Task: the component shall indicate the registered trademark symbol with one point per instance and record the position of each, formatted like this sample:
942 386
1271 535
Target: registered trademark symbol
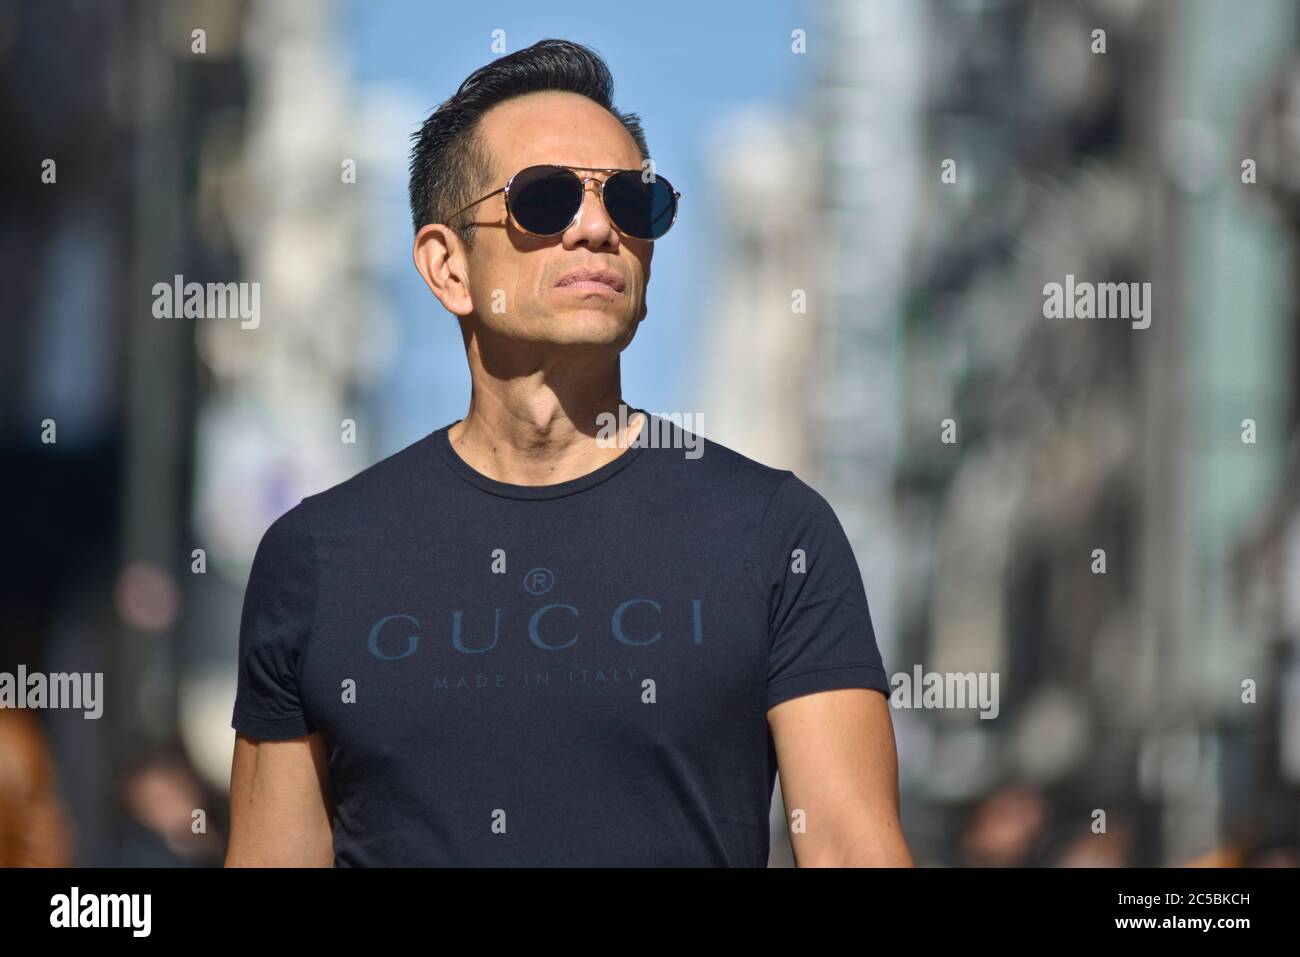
539 581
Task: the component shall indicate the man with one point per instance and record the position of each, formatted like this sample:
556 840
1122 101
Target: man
543 635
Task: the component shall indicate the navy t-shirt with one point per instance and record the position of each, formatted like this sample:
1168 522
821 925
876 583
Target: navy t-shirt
574 674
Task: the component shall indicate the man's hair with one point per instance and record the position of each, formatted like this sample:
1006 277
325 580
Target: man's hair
450 167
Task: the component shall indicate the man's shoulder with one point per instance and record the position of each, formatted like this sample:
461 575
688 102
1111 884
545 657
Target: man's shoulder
705 463
377 485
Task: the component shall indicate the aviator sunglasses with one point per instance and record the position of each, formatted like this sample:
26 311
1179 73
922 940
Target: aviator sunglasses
546 200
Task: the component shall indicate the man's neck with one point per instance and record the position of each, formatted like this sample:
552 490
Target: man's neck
525 431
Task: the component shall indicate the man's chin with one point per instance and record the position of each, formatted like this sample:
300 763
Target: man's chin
590 330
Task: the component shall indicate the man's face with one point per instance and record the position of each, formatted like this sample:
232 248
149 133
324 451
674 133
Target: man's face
513 276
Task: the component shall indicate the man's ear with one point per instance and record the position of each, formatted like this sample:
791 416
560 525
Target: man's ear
439 256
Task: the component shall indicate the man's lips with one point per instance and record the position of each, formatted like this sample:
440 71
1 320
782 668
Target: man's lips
591 280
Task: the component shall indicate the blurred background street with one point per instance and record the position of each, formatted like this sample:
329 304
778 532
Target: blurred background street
920 170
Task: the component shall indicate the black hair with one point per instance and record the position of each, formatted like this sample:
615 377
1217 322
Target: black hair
450 167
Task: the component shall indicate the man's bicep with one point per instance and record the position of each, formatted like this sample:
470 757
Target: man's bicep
279 803
839 768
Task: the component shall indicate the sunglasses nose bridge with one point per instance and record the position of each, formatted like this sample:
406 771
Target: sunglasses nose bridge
600 198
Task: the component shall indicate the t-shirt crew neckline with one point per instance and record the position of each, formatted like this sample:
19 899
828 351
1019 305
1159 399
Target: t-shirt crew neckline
468 473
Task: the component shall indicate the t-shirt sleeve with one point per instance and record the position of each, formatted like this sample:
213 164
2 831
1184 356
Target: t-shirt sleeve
279 606
820 632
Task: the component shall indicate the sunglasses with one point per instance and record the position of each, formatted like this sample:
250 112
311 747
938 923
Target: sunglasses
546 200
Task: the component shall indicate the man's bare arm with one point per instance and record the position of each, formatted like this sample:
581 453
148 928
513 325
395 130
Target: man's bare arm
838 764
279 804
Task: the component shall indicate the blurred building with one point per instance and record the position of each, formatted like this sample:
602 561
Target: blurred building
758 339
1121 690
215 142
111 121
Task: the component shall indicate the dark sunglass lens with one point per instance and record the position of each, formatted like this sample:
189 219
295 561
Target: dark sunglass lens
544 199
643 210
